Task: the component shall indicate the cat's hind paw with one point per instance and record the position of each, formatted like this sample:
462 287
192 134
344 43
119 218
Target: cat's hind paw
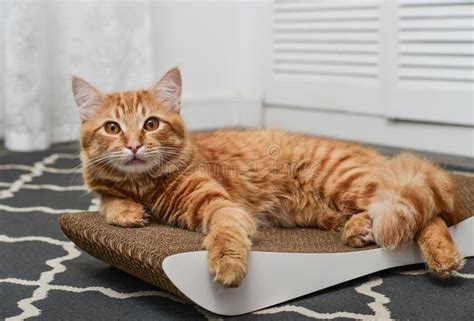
438 248
443 262
358 231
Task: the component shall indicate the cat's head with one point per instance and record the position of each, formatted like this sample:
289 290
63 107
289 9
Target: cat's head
133 131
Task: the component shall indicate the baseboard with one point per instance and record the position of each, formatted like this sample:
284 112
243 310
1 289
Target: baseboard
446 139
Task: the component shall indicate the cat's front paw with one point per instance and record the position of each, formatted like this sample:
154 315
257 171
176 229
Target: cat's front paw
228 271
227 259
127 214
358 231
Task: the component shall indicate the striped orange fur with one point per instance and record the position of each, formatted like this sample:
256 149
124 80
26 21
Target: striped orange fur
142 162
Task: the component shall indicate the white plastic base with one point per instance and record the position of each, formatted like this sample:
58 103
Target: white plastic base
273 277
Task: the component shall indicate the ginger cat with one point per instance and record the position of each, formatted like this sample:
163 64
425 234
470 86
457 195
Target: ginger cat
139 158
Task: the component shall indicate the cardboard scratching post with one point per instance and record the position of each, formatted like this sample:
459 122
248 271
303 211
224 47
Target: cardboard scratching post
284 263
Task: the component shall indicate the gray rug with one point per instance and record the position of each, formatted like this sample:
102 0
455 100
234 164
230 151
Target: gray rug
43 276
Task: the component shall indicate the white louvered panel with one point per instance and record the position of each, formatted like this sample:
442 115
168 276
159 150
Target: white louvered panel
326 37
449 9
330 83
320 11
417 85
407 3
333 69
325 58
408 61
436 49
437 73
437 24
334 48
435 65
327 26
455 36
323 48
311 5
326 15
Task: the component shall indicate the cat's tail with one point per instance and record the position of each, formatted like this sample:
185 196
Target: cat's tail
411 193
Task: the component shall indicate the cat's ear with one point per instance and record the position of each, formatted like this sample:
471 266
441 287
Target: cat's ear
88 99
168 90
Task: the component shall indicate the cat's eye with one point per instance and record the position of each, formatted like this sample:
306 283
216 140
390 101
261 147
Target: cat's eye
151 124
112 128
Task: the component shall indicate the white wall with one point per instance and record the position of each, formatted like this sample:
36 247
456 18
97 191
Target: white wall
219 47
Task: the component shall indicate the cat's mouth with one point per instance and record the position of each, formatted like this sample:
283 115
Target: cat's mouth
135 161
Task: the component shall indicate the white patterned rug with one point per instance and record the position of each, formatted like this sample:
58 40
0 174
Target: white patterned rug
43 276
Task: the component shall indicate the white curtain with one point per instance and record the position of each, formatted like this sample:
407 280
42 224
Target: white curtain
42 43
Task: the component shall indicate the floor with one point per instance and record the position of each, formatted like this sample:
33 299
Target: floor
43 276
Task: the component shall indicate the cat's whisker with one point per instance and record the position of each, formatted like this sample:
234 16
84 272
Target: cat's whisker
100 162
106 156
72 170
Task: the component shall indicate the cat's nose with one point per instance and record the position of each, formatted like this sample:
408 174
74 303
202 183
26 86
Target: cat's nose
134 147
